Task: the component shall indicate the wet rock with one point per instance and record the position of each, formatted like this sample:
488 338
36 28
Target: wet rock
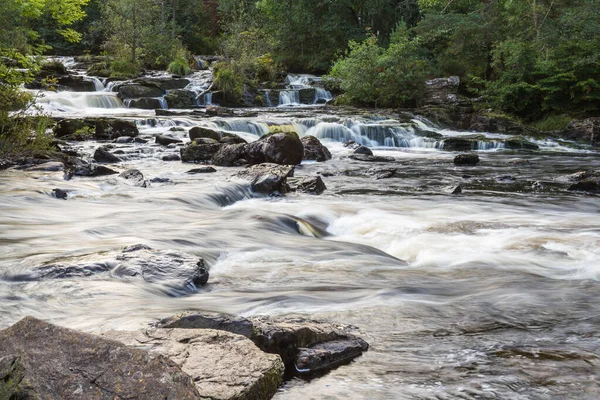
171 157
466 159
232 139
134 177
307 95
201 170
586 185
136 91
575 177
584 131
164 140
124 139
60 194
457 190
63 271
459 143
309 184
368 158
217 111
75 83
50 166
268 178
230 155
505 178
145 103
101 128
520 143
39 360
202 132
314 149
496 123
203 152
363 150
5 164
160 180
351 144
328 355
103 155
177 271
164 83
222 365
192 320
115 128
54 68
283 148
100 170
518 161
441 91
181 99
382 173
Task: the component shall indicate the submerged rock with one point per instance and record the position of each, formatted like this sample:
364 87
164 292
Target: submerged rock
39 360
171 157
520 143
466 159
363 150
201 170
60 193
222 365
368 158
164 140
328 355
314 149
586 185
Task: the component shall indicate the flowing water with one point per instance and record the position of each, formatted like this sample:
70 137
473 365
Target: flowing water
490 294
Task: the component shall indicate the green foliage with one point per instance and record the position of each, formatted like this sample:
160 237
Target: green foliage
180 65
552 123
227 79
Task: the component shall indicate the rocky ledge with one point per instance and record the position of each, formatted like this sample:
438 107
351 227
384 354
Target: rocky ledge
188 356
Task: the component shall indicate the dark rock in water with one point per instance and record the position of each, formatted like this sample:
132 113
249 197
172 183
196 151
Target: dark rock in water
459 144
178 271
166 140
584 131
115 128
283 148
202 132
363 150
368 158
457 190
221 322
518 161
587 185
328 355
164 83
195 152
314 149
136 91
309 184
100 170
232 139
79 167
171 157
5 164
201 170
466 159
576 177
75 83
382 173
268 178
351 144
223 365
60 194
160 180
140 140
307 95
506 178
145 103
181 99
520 143
230 155
217 111
39 360
103 155
63 271
135 177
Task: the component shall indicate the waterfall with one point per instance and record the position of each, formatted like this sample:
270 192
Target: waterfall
69 101
163 103
108 87
207 98
322 96
338 133
268 98
98 85
289 98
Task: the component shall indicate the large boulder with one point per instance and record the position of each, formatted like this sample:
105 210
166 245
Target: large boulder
164 83
222 365
145 103
75 83
307 95
181 99
460 143
520 143
39 360
104 156
200 151
268 178
441 91
314 149
307 184
230 155
203 132
584 131
134 177
165 140
466 159
283 148
136 91
101 128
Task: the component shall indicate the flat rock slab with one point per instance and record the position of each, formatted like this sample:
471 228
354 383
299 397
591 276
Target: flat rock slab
328 355
39 360
223 365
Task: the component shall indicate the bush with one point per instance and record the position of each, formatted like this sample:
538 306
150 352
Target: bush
228 80
179 66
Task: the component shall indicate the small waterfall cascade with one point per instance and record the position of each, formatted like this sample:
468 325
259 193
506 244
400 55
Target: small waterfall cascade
98 85
302 89
268 101
77 101
289 98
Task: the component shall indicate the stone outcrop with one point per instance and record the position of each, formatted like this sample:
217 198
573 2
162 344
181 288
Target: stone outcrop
307 184
268 178
314 149
283 148
181 99
200 150
101 128
584 131
466 159
39 360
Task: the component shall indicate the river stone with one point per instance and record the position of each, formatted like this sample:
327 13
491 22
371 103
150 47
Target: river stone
174 270
75 83
134 177
586 185
195 152
230 155
368 158
136 91
50 166
466 159
314 149
223 365
458 144
164 140
201 170
39 360
307 95
363 150
146 103
328 355
308 184
100 170
221 322
103 155
165 83
268 178
171 157
60 193
520 143
230 138
202 132
181 99
283 148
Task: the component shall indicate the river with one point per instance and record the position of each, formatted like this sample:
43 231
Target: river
489 294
